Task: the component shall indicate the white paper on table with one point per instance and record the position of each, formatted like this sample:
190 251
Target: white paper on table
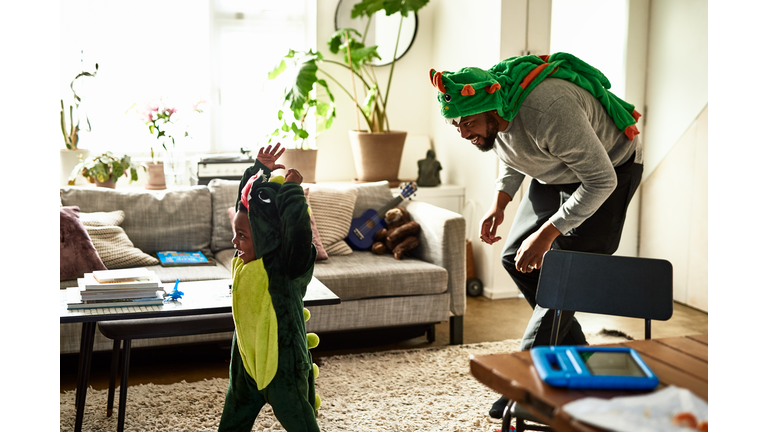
652 412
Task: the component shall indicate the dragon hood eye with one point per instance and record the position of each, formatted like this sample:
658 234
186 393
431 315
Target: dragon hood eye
263 197
447 98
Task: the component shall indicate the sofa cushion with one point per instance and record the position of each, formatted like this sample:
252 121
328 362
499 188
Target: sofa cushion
373 195
115 248
77 255
332 208
316 239
223 198
364 275
176 219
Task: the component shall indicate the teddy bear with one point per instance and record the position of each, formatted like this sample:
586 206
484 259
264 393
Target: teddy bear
400 235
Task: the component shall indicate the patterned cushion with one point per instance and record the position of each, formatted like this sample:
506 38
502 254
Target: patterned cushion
223 198
77 254
332 209
112 243
316 239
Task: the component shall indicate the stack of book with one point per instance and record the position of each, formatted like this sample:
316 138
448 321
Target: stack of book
116 288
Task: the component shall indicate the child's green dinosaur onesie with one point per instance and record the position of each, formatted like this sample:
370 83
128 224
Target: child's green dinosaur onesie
270 355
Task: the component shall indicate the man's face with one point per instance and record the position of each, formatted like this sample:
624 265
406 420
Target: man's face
242 239
480 129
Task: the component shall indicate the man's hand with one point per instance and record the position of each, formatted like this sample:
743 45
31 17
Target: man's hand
493 218
294 176
531 253
269 155
491 221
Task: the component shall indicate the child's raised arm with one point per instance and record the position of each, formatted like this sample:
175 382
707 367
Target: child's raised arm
269 156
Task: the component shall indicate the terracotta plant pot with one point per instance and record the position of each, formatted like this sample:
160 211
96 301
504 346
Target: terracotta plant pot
107 184
377 155
156 176
303 160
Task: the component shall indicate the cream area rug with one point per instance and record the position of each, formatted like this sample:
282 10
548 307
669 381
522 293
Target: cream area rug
428 389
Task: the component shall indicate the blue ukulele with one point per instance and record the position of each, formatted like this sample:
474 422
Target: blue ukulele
366 226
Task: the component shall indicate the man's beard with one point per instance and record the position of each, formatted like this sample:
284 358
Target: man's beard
491 130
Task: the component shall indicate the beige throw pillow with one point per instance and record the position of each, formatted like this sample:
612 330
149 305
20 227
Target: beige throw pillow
332 209
112 243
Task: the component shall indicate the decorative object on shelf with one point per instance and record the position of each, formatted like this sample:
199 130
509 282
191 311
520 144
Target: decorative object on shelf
71 154
168 125
155 175
429 170
105 170
301 84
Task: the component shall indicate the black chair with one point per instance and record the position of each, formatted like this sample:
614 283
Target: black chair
148 328
601 284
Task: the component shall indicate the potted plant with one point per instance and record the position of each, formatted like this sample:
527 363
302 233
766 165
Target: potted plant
72 154
105 170
163 121
302 84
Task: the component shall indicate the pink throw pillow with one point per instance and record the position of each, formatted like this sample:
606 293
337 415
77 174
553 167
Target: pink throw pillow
77 255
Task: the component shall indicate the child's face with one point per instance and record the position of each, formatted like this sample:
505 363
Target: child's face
242 239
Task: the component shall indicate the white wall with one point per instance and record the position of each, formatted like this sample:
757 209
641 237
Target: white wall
674 219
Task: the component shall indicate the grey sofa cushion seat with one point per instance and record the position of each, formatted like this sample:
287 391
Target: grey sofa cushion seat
223 196
178 219
365 275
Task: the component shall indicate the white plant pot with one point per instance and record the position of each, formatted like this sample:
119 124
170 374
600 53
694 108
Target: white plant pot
70 159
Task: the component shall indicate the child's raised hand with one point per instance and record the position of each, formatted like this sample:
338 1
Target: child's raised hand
294 176
269 155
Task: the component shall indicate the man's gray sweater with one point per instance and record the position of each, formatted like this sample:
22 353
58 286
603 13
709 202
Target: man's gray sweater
562 134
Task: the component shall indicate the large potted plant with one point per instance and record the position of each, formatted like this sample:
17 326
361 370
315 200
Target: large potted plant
105 170
377 150
72 153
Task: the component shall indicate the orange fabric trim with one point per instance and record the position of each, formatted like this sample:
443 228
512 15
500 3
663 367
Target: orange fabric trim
532 74
631 131
493 88
437 81
467 90
636 115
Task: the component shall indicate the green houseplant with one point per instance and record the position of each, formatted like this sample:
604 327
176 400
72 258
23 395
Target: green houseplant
308 95
105 170
70 127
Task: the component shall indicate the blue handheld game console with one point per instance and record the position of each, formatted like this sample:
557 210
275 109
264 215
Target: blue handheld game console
588 367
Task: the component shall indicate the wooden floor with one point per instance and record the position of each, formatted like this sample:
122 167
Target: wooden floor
485 321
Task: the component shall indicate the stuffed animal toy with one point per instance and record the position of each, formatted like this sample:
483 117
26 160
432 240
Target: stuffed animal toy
400 235
504 86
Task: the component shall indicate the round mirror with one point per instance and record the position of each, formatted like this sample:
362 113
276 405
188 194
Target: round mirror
382 30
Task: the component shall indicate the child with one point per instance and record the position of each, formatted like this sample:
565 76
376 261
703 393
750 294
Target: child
273 264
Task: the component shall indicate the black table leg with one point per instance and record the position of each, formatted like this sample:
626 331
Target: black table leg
84 371
507 417
123 385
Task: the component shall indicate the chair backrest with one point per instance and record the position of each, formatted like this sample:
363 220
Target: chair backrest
606 284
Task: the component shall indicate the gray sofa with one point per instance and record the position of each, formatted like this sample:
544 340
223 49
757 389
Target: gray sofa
377 291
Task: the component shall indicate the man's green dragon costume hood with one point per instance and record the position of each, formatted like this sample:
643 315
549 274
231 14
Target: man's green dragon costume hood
505 86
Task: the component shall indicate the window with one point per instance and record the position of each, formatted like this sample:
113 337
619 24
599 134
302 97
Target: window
184 50
596 32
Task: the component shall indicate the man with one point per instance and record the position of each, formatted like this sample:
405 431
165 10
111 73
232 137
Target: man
551 118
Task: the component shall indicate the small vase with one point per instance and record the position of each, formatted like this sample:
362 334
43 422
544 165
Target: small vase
175 168
156 176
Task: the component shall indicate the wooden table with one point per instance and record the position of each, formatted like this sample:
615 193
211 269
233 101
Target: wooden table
678 361
200 298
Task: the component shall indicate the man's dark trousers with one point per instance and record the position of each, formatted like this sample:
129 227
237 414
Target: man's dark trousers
600 233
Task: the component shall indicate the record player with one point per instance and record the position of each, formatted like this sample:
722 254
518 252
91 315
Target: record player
226 166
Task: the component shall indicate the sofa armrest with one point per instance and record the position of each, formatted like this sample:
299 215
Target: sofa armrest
442 242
